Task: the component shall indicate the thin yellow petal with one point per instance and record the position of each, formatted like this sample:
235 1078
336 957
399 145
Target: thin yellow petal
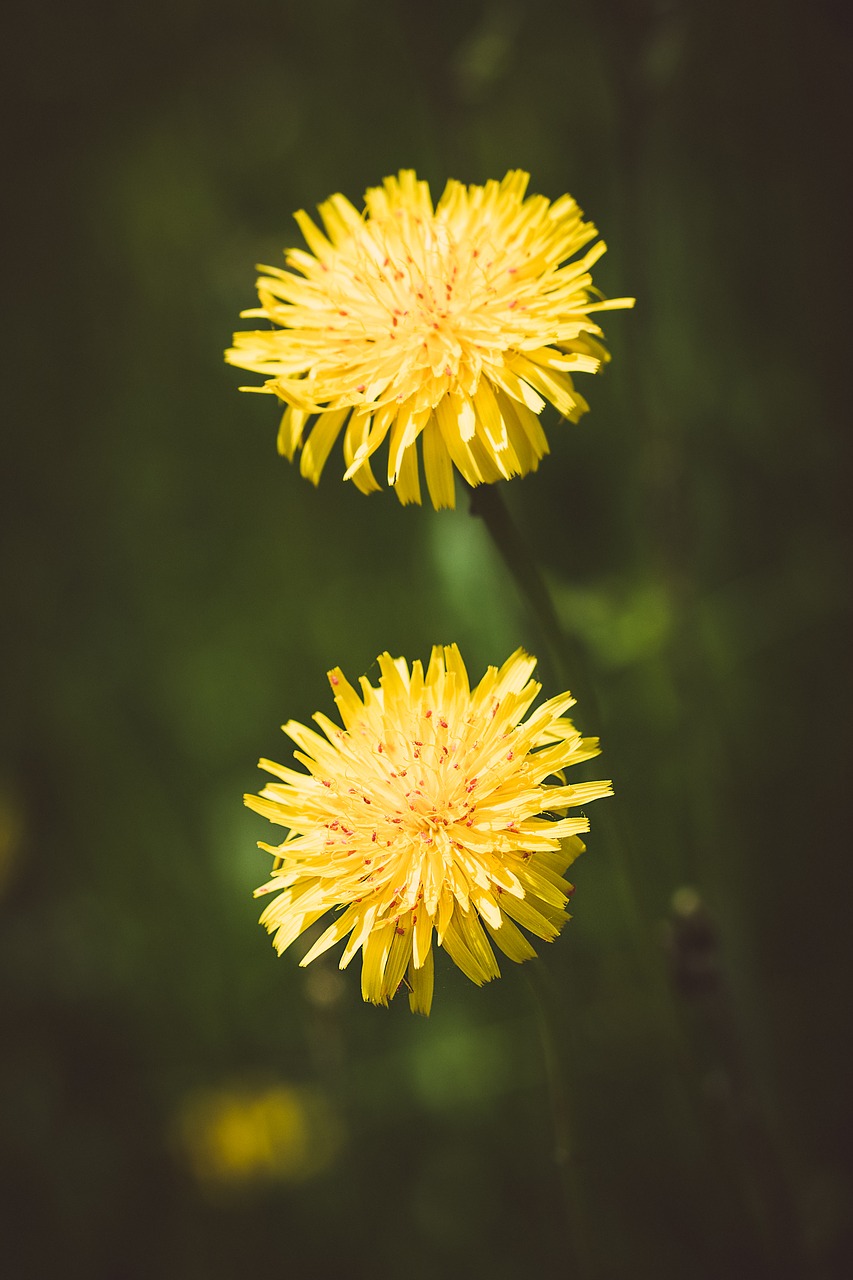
317 447
421 982
290 431
438 467
408 487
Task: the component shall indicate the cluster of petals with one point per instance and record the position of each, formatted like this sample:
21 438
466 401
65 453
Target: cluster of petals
452 325
434 813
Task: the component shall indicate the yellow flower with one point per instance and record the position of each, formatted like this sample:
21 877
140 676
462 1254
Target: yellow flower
454 324
429 811
234 1135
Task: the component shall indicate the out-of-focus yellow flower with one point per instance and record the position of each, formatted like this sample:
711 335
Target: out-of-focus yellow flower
452 324
435 809
11 833
234 1136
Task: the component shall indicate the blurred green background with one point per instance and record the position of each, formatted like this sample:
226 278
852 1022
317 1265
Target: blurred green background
174 1100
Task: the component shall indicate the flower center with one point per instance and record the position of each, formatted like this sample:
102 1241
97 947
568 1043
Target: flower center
425 292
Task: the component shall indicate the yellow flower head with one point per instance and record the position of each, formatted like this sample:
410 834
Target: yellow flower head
429 811
454 324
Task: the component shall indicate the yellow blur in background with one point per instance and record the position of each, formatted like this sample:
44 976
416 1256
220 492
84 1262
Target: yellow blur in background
234 1136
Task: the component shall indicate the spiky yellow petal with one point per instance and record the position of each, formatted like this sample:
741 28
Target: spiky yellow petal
453 325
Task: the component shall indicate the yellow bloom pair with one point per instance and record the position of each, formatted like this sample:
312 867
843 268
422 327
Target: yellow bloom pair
434 812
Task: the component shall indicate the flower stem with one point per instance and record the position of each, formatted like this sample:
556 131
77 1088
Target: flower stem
488 504
552 1032
568 657
569 661
733 1096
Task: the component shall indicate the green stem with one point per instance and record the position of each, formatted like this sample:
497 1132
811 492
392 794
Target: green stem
568 657
552 1032
569 661
488 505
737 1110
767 1192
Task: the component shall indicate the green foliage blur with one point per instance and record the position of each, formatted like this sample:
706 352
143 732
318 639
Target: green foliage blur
175 1101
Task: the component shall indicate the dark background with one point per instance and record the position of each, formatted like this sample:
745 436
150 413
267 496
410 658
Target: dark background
175 1101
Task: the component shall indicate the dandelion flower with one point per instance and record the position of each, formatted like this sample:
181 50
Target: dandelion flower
436 809
452 324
